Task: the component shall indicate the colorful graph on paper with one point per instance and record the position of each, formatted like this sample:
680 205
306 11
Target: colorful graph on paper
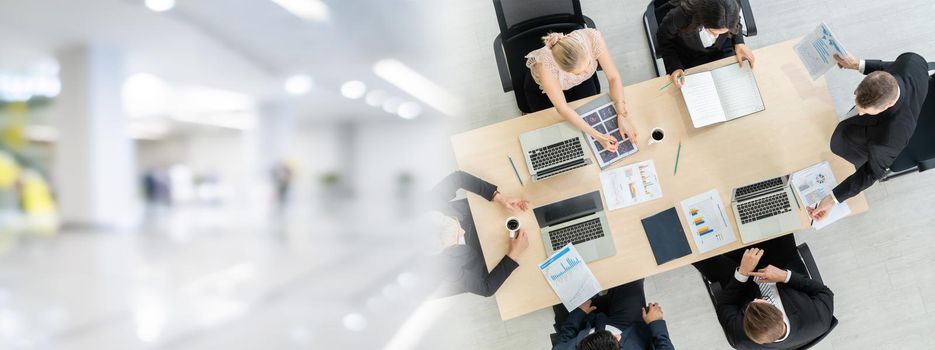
707 221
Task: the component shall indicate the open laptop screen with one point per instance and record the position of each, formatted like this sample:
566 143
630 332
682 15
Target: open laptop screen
568 209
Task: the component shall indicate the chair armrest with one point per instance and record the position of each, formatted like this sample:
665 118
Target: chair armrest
651 26
806 254
749 21
502 67
588 22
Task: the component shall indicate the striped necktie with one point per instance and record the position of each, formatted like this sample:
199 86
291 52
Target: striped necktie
767 293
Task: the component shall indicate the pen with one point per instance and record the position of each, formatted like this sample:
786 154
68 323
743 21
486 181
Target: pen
670 82
811 222
677 155
515 171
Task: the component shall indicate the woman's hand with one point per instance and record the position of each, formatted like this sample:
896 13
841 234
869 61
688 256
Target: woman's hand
678 78
609 142
514 204
744 53
626 126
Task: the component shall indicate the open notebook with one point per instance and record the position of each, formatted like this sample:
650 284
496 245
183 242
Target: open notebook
722 94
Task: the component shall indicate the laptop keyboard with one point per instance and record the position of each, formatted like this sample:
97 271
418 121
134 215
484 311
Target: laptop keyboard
765 207
555 154
759 186
577 233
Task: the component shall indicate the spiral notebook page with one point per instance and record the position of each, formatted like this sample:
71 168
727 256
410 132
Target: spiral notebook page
701 98
738 91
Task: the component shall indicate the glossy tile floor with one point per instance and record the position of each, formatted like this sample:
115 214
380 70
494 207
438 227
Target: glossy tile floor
876 263
206 278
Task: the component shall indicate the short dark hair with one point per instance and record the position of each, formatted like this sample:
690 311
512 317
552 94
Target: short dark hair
762 322
712 14
877 89
600 340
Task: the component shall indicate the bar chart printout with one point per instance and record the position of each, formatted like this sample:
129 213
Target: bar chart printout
817 50
707 221
570 277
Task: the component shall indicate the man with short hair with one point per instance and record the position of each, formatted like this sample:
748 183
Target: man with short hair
888 102
776 309
618 320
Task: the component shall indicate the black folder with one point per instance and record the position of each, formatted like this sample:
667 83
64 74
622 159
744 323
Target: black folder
666 236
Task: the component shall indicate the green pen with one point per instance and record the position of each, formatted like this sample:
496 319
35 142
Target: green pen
677 155
670 82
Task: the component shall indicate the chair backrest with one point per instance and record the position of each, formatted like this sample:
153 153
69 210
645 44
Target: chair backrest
517 15
920 152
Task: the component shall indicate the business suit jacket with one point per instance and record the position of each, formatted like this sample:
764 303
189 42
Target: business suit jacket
872 143
640 336
808 304
681 48
463 267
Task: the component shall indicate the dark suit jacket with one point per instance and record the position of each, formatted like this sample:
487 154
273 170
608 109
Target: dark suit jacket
809 305
578 325
681 48
463 266
872 143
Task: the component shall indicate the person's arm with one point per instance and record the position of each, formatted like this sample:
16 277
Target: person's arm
489 282
574 328
449 186
555 93
818 292
667 39
616 86
653 317
866 175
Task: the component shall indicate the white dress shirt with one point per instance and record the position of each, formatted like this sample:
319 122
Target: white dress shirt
707 40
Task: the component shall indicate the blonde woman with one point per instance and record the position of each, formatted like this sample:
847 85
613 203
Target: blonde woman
559 69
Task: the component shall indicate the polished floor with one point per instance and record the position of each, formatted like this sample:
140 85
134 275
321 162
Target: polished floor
876 263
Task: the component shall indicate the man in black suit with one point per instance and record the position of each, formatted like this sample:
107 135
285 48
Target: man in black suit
776 309
888 102
461 260
618 320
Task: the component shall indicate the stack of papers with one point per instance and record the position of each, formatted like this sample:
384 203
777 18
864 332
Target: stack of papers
570 277
632 184
707 221
813 184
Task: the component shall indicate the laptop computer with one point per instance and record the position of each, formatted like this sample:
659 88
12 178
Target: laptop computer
553 150
765 209
580 221
602 116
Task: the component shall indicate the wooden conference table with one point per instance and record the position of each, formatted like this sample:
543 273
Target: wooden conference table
791 134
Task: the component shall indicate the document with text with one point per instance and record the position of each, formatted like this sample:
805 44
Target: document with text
720 95
817 50
570 277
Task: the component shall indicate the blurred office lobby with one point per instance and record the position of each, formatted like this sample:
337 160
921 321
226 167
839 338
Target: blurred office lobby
207 174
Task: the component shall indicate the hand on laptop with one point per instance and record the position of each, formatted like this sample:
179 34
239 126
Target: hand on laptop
823 207
751 257
652 313
514 204
518 245
770 274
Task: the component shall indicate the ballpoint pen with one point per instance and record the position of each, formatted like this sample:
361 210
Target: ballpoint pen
812 221
515 171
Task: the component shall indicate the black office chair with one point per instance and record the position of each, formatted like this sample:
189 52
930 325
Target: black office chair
812 270
919 154
523 23
657 10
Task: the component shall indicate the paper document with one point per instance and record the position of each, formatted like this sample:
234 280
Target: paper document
813 184
817 49
631 184
570 277
707 221
720 95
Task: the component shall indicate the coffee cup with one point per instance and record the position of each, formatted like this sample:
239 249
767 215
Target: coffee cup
512 225
657 135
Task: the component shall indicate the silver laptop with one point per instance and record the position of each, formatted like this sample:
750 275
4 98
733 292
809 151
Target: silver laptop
553 150
580 221
765 209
